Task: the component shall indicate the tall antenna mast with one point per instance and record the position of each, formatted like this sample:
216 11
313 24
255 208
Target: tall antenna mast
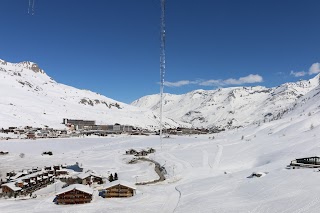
162 62
31 7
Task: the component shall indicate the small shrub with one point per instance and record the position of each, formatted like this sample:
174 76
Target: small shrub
47 153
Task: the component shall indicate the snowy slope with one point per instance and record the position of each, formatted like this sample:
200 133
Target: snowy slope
204 175
232 107
30 97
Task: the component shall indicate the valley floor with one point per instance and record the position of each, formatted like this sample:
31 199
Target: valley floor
204 175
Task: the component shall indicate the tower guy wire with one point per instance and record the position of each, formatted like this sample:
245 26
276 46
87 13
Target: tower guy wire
162 63
31 7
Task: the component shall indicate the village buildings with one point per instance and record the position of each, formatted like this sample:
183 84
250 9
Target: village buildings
26 182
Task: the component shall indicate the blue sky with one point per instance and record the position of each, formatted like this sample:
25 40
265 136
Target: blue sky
112 47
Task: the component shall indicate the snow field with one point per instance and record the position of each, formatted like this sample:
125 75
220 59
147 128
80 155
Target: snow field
204 175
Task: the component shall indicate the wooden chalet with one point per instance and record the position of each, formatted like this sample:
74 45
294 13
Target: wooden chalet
84 178
96 178
119 189
74 194
10 189
89 178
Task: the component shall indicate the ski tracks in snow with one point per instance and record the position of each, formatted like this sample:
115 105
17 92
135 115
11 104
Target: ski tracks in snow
217 159
205 159
172 201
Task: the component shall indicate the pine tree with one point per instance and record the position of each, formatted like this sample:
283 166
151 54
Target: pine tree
115 176
111 178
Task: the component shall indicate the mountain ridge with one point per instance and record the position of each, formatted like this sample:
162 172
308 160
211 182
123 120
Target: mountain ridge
231 107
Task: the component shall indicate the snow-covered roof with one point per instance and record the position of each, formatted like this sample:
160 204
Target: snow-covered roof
60 170
117 182
83 175
96 175
88 174
19 174
12 186
78 187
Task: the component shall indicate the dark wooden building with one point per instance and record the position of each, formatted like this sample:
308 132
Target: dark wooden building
74 194
10 189
309 162
119 189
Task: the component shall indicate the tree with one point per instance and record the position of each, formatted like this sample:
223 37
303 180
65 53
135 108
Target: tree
111 177
242 137
115 176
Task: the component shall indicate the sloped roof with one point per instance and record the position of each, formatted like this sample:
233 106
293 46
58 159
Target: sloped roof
88 174
95 175
19 174
83 175
78 187
119 182
12 185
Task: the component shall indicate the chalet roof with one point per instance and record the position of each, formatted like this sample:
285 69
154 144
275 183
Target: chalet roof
79 187
12 186
19 174
84 175
96 175
119 182
88 174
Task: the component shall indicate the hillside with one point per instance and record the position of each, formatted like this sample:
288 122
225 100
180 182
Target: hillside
30 97
236 106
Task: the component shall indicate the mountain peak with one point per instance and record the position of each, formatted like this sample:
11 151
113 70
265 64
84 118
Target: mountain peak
31 66
24 64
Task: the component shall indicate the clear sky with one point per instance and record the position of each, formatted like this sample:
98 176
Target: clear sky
112 46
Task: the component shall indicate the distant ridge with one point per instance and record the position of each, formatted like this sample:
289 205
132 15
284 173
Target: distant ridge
235 106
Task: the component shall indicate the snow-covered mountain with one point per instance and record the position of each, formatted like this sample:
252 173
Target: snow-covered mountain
236 106
30 97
